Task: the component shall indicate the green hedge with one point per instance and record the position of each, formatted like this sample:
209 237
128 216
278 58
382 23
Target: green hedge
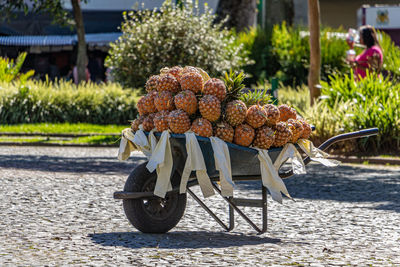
34 101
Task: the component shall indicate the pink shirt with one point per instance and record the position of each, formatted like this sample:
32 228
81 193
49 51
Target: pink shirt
75 74
363 60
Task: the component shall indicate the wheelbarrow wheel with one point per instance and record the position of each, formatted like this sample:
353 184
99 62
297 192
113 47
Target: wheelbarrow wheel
155 215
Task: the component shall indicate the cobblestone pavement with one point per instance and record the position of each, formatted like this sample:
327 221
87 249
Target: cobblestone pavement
57 209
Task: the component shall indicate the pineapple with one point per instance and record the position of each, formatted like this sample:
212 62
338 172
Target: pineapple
244 135
202 127
186 100
151 83
306 129
148 123
135 123
164 101
192 81
215 87
256 116
210 107
188 69
178 121
235 112
168 82
297 129
175 71
286 112
273 114
140 106
161 120
224 131
145 105
149 106
265 137
282 134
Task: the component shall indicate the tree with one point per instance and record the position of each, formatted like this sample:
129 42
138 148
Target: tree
240 14
278 11
81 60
60 16
315 50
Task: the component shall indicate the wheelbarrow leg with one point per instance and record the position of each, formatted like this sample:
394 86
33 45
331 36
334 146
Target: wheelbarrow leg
264 210
204 206
233 205
231 216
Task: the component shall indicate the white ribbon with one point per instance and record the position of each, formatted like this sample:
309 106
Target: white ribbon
161 160
316 154
223 165
270 177
126 145
142 142
195 162
289 151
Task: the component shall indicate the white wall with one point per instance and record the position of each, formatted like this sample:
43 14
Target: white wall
120 5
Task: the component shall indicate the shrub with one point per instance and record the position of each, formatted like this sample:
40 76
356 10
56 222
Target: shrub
376 103
291 51
285 54
65 102
172 36
391 56
10 69
257 43
298 97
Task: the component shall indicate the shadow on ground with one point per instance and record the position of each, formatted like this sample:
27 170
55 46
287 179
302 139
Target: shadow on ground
104 165
175 240
344 184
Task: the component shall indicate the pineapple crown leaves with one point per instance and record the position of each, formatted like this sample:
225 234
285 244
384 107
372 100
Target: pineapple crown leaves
256 96
234 83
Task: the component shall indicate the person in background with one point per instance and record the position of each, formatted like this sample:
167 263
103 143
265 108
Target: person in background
94 68
75 73
371 58
54 72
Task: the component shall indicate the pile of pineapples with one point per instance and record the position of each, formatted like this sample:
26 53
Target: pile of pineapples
182 99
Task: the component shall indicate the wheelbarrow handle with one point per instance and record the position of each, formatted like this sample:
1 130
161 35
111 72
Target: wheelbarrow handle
348 136
341 137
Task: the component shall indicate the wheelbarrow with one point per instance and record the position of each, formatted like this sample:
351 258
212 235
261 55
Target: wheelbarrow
151 214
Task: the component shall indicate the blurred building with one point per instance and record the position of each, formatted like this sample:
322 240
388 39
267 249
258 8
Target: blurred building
52 48
352 14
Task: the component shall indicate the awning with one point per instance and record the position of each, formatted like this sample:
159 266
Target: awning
97 39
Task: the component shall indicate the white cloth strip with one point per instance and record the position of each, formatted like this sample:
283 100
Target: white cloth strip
161 160
289 151
270 177
223 165
195 162
316 154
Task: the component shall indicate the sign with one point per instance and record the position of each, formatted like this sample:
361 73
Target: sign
382 17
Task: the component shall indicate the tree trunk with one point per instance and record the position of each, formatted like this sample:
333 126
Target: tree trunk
81 60
315 50
242 13
278 11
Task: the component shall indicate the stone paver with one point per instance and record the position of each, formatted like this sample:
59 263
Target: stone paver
57 208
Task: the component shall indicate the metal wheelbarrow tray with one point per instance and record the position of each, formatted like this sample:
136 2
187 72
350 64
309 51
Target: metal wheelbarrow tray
151 214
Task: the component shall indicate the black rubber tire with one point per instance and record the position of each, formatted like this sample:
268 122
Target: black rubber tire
156 215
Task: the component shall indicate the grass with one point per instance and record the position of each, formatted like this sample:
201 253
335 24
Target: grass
89 140
62 128
81 128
